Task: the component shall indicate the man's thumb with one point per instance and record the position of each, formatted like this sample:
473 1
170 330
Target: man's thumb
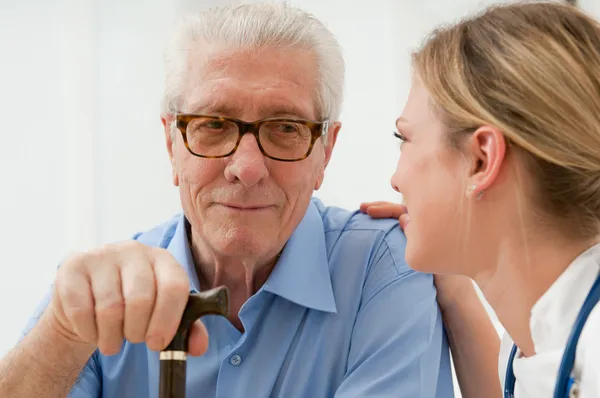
198 339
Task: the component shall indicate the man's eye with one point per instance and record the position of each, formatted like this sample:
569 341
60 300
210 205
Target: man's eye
214 124
287 128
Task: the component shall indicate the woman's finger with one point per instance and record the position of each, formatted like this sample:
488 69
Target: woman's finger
366 205
404 220
387 210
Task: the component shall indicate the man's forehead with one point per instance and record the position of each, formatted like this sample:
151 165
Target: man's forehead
229 84
214 61
271 108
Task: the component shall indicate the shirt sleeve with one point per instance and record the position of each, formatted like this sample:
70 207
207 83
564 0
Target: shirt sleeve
88 384
398 346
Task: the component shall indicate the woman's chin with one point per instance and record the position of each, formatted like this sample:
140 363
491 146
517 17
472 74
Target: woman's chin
417 259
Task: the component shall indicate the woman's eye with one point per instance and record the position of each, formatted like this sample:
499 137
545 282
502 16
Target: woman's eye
399 135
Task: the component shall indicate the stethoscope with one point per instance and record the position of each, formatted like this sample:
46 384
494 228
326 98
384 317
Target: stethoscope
565 382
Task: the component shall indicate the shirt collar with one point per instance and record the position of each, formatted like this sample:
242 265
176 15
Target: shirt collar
301 274
180 249
555 312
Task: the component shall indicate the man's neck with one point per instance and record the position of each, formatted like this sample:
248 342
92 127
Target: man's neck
522 274
243 276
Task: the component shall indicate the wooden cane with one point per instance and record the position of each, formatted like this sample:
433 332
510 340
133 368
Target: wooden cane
173 359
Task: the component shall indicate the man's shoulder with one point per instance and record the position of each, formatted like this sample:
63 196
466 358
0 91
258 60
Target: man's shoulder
159 235
368 254
340 219
364 237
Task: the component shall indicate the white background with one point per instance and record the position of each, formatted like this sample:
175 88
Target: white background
82 157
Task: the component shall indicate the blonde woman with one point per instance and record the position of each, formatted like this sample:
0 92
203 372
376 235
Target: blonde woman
500 172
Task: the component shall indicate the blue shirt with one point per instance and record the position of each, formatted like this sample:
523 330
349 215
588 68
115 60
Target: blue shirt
341 315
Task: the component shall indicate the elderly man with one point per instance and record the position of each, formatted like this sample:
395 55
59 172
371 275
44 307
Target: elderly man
322 301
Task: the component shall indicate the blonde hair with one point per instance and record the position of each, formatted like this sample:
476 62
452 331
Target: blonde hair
533 71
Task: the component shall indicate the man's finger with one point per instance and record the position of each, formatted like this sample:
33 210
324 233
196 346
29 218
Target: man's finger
139 292
75 296
172 292
109 307
198 339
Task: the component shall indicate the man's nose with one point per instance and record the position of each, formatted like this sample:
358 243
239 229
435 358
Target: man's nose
247 164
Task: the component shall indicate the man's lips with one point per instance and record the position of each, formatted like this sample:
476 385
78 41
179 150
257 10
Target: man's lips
246 207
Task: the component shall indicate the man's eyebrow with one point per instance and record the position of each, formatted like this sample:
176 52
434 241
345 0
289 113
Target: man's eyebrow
229 110
217 109
285 111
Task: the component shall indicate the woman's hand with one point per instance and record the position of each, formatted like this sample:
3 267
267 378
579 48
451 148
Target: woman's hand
387 210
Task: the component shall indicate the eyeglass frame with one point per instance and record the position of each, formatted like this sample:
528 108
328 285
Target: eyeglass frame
317 130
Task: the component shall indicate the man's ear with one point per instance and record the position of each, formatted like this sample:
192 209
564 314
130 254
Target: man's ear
334 129
331 138
487 151
167 122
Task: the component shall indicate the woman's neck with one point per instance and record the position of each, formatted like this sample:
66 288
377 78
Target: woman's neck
521 274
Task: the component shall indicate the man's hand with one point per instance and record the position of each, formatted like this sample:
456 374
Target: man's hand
122 291
386 210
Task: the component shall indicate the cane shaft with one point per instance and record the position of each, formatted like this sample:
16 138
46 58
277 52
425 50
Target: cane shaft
172 377
173 359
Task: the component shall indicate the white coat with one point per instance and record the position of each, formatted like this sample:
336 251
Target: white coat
552 318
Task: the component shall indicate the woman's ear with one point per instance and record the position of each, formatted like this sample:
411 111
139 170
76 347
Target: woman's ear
486 150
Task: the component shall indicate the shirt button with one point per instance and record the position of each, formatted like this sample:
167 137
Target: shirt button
235 360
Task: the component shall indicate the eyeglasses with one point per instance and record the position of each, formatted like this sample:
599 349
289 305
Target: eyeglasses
287 140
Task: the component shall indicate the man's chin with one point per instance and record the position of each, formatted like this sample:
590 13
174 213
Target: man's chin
239 241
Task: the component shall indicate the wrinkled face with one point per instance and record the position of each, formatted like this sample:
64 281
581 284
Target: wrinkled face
431 176
247 205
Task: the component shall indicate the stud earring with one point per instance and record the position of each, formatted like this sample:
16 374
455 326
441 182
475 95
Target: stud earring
472 189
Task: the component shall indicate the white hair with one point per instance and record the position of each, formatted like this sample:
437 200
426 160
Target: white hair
252 26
